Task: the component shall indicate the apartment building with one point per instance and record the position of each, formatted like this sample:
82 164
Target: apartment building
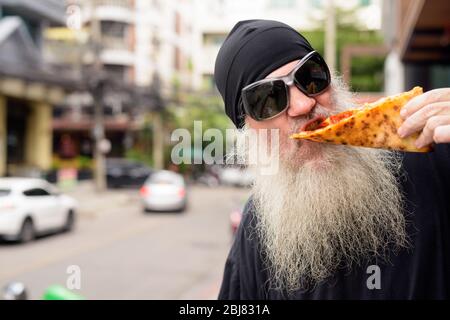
29 87
213 20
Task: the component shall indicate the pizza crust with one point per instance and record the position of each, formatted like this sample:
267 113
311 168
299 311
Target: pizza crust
375 126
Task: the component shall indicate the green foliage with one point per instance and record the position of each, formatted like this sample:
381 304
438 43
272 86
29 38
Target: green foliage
187 108
84 162
207 108
200 106
367 72
139 155
142 151
79 162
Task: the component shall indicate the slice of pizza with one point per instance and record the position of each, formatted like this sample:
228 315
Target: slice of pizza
374 125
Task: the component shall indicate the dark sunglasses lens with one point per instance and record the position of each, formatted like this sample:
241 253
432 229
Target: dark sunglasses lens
266 100
313 76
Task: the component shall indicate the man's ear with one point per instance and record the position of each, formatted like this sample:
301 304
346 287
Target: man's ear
246 122
241 117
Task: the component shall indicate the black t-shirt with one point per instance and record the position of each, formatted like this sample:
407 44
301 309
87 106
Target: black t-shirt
420 272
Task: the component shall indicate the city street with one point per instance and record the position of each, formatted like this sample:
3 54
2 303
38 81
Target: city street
124 253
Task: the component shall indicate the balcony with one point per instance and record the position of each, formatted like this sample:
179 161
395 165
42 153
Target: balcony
113 10
115 43
114 3
117 57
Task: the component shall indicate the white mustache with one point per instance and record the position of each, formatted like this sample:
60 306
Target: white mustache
317 111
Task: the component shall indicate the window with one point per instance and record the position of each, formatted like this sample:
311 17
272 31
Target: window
215 39
114 29
316 4
364 3
4 192
116 71
36 192
440 76
282 3
156 4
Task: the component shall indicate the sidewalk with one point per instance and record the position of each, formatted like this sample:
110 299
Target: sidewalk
92 203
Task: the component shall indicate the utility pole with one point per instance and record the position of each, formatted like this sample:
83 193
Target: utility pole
330 35
157 123
97 93
158 141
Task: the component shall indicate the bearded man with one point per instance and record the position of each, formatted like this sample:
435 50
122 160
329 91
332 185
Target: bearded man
333 221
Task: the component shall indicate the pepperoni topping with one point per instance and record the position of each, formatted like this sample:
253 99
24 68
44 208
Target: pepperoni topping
338 117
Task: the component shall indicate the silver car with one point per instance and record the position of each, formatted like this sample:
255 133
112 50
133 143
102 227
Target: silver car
164 191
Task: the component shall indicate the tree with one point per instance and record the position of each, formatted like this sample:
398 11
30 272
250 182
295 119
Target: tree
199 106
367 72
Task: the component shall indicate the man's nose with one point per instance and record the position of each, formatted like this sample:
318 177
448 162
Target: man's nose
299 103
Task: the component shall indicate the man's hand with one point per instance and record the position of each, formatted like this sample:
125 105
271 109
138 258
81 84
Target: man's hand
429 112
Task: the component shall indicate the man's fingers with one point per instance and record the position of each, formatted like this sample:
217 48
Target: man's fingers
428 133
418 120
413 105
442 134
419 102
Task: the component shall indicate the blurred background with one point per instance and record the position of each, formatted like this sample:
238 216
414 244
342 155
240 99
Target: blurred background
90 92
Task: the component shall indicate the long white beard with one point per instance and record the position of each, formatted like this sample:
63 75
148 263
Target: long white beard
317 214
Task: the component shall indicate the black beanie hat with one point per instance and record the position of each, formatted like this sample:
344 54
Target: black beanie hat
251 51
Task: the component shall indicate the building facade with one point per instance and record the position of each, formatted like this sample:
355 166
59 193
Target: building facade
29 88
142 48
163 43
105 34
418 36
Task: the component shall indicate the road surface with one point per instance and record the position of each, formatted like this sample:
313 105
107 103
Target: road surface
123 253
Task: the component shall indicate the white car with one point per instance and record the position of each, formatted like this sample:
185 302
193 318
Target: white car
164 191
31 207
234 176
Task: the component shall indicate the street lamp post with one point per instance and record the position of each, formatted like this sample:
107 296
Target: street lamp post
330 35
97 90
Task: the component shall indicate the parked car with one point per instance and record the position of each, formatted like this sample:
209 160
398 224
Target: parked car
207 178
235 176
164 191
125 173
236 215
30 207
235 219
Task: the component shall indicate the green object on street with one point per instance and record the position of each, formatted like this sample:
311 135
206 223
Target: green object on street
57 292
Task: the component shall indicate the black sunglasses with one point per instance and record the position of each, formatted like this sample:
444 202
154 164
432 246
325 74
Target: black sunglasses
267 98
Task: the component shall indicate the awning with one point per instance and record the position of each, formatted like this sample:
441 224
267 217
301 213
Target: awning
21 62
424 31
